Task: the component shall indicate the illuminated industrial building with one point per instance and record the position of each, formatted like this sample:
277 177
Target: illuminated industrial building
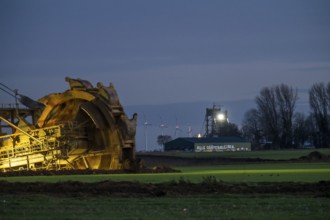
213 140
219 144
215 119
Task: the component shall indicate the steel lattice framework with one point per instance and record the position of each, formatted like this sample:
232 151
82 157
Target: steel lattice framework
84 127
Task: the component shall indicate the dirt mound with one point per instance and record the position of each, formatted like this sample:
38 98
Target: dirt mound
164 169
210 186
315 156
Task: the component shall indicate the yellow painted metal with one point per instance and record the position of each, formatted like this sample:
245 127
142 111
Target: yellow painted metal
21 130
82 128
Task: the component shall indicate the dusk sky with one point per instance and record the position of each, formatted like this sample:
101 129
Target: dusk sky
161 52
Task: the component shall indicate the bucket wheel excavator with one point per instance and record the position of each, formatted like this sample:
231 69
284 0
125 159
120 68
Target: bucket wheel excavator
84 127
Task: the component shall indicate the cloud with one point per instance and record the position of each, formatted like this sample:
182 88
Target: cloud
210 82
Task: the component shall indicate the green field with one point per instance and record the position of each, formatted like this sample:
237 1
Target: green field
253 206
265 172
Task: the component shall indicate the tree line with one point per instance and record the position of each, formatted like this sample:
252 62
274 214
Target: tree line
274 123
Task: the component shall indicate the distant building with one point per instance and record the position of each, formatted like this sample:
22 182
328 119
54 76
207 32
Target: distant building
208 144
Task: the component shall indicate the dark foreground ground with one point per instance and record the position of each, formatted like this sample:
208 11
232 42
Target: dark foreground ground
209 186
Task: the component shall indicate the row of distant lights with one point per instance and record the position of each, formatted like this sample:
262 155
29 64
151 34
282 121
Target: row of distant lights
219 117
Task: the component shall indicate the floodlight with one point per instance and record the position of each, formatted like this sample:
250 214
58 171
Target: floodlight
220 117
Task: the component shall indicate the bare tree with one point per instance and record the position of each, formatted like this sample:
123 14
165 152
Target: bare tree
286 99
312 130
269 118
328 94
276 107
229 130
300 129
319 100
251 127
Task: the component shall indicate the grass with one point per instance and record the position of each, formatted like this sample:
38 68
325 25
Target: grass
198 207
262 206
268 172
280 172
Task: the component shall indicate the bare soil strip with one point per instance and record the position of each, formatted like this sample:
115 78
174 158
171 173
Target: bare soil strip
209 186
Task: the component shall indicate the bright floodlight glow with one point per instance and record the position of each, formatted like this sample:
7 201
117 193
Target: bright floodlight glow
220 117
